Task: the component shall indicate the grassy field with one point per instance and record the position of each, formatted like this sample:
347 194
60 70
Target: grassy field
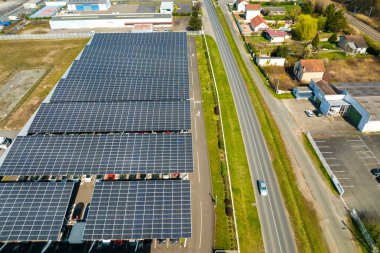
224 237
248 223
53 55
302 214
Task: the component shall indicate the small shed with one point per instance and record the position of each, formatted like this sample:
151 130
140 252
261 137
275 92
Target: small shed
167 7
302 92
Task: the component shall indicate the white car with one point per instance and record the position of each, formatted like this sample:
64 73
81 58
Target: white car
262 187
309 113
5 142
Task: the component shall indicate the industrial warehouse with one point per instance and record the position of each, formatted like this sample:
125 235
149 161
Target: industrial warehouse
117 125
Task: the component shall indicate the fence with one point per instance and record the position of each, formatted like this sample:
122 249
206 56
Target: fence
50 36
363 231
333 178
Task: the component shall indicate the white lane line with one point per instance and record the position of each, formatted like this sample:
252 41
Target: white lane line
319 141
339 171
199 173
200 234
343 178
323 146
333 165
326 152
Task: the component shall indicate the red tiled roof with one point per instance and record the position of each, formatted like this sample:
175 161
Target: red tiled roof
257 21
253 7
275 33
240 1
312 65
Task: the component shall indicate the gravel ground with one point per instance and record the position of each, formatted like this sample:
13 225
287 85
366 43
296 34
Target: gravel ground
12 91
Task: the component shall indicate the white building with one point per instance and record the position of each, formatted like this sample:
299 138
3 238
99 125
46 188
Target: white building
167 7
258 24
110 20
358 102
353 44
240 5
88 5
251 11
56 3
275 36
265 60
307 69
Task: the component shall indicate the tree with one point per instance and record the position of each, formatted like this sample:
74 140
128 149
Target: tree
195 21
306 27
307 8
281 51
315 41
333 38
321 23
335 19
293 13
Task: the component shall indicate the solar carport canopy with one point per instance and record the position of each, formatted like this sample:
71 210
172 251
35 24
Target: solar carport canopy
105 117
139 39
130 67
120 89
33 211
99 154
148 209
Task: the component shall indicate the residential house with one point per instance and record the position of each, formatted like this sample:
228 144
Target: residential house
353 44
307 69
258 24
240 5
266 60
251 11
273 11
275 36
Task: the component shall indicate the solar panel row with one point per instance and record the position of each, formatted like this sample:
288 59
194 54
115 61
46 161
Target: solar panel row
99 154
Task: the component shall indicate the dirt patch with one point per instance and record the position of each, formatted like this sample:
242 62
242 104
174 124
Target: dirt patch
353 70
280 77
12 91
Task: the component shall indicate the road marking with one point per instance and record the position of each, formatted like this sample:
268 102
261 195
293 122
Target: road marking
333 165
326 152
343 178
199 174
195 126
323 146
200 234
332 158
339 171
346 186
319 141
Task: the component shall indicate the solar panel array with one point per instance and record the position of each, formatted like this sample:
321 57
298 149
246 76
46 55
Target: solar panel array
99 154
33 211
120 89
129 116
139 210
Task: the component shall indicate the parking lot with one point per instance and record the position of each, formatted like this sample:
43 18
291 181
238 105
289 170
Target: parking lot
351 159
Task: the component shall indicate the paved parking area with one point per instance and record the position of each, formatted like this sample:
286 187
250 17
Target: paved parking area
351 159
147 8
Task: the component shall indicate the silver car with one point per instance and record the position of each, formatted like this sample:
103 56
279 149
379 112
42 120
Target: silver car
262 185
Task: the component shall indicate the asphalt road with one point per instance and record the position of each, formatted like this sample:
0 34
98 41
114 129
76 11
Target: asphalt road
363 27
275 226
331 210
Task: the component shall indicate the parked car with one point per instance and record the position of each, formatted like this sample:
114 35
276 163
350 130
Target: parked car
378 179
53 179
262 185
77 212
166 176
174 241
44 179
62 178
87 178
309 113
5 142
161 241
376 172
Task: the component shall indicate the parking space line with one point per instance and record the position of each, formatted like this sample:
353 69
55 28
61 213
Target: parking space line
333 165
319 141
346 178
323 146
326 152
339 171
332 158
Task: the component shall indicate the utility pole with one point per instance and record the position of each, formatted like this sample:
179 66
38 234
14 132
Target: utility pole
370 12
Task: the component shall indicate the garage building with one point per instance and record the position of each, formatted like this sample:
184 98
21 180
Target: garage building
88 5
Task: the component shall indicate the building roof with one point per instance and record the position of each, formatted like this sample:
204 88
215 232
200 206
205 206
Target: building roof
87 1
240 1
325 87
371 105
256 21
312 65
275 33
112 16
274 8
167 5
357 40
360 89
253 7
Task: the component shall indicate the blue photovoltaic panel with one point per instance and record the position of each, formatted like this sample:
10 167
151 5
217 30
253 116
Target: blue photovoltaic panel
99 154
129 116
149 209
33 211
170 38
160 51
120 89
152 68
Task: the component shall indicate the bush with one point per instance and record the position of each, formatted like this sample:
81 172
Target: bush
333 38
281 51
306 27
373 46
315 41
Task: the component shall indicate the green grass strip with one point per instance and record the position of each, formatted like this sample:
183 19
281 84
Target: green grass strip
247 219
303 216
